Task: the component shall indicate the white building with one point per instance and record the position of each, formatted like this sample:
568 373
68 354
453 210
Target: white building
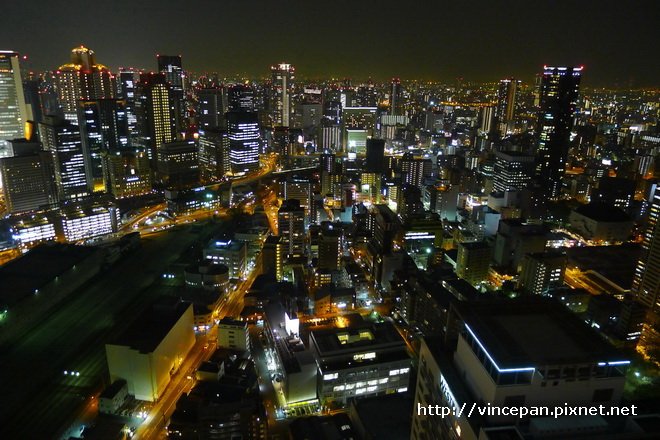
233 334
152 349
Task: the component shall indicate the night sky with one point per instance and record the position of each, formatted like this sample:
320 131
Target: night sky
480 40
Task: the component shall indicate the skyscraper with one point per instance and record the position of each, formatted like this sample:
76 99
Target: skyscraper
281 91
558 96
13 111
214 161
240 98
291 227
375 161
127 84
212 104
155 111
646 282
82 78
505 111
103 128
396 98
172 68
128 172
73 174
244 141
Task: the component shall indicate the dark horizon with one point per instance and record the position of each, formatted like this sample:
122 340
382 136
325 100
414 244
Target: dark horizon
441 42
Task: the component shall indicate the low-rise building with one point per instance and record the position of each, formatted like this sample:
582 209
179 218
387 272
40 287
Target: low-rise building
148 352
360 360
233 334
231 253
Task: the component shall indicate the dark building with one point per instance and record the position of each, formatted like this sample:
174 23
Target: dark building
375 161
178 165
558 96
212 103
172 68
512 171
240 98
615 191
396 98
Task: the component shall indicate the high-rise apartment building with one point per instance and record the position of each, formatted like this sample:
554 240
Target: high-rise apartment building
13 110
291 227
396 98
558 96
542 271
281 102
473 261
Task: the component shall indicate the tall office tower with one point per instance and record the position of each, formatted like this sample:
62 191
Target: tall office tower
128 79
386 225
73 173
415 170
244 141
13 110
505 112
367 95
375 161
212 106
646 282
542 271
473 261
28 178
281 94
82 78
396 98
558 96
156 113
331 247
34 109
214 162
291 227
178 164
103 128
241 98
129 173
512 170
330 136
172 68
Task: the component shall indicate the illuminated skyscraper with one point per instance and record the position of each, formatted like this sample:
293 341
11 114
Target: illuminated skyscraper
82 78
129 174
13 111
127 84
646 282
241 98
244 141
505 112
172 68
73 174
512 170
281 91
103 128
291 227
155 111
558 96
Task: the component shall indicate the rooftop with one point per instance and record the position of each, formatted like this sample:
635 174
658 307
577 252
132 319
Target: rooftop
518 333
23 276
151 327
358 337
603 212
